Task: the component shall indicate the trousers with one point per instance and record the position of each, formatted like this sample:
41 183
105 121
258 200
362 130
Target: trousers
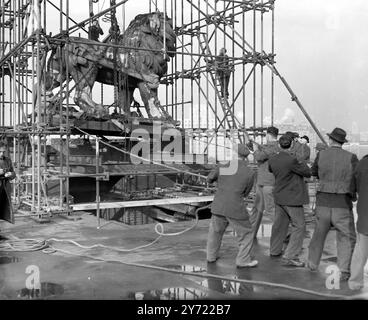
359 259
343 220
243 230
283 216
264 202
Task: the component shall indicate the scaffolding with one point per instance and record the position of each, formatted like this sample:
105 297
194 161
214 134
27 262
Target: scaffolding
191 92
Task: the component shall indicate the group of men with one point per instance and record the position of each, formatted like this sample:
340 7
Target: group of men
282 193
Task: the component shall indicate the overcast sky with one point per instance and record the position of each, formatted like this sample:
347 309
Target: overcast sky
322 51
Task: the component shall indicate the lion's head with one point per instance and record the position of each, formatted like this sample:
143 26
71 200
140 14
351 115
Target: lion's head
156 24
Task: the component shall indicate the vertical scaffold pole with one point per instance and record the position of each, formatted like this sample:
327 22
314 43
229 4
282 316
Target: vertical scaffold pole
262 75
67 127
97 183
254 73
39 136
60 55
272 52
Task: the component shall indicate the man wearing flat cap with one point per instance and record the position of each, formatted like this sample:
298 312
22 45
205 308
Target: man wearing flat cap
264 201
228 207
289 194
334 169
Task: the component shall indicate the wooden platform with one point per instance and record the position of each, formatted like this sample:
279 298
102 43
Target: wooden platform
142 203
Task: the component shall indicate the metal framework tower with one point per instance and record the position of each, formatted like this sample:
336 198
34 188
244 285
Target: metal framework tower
190 92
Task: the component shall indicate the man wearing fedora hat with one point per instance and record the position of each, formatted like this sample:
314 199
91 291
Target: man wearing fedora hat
228 207
334 169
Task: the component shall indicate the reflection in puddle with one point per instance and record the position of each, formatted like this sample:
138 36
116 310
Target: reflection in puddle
210 286
6 260
218 289
187 268
230 287
169 294
47 289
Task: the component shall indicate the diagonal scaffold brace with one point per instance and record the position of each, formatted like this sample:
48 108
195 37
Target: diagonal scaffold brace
272 68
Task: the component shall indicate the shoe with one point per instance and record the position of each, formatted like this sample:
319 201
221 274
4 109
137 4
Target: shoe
275 255
251 264
293 263
355 286
212 261
309 266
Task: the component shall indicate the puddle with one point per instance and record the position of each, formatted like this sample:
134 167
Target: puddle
186 267
47 289
220 289
233 289
178 293
7 260
229 287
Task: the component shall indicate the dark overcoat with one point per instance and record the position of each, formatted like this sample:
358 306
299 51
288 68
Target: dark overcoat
290 188
6 209
360 182
232 189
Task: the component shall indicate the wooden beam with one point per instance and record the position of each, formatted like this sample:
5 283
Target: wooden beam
140 203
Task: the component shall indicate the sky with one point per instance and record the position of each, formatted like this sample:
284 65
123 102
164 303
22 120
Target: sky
321 50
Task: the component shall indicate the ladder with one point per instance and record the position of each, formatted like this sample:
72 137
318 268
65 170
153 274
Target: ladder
229 117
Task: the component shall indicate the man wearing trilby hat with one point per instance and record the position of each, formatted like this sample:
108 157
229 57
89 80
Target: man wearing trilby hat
334 168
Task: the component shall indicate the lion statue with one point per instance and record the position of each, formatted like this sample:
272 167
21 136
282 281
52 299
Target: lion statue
141 61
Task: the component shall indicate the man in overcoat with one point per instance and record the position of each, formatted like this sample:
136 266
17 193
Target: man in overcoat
289 195
360 255
6 175
229 207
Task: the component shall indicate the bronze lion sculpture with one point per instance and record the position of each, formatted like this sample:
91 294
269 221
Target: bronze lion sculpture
141 61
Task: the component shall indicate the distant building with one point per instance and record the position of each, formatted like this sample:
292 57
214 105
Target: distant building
359 148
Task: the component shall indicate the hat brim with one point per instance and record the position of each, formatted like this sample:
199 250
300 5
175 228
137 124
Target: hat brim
336 139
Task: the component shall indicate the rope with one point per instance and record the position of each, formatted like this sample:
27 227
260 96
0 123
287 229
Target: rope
25 245
159 229
144 159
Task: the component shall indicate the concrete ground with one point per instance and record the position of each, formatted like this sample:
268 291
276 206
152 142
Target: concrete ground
77 273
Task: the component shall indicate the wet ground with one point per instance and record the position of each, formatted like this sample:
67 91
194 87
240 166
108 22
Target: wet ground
174 267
